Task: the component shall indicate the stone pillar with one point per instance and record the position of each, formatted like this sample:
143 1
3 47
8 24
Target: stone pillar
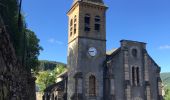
160 88
160 97
112 85
79 86
128 92
127 75
146 67
148 93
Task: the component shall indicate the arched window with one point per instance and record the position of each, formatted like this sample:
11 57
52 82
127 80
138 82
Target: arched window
87 23
97 23
133 75
75 24
137 75
71 27
92 85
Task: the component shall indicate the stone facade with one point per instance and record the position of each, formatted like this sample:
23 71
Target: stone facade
136 75
126 73
15 82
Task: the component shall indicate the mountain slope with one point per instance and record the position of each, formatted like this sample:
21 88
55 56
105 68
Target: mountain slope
166 79
49 65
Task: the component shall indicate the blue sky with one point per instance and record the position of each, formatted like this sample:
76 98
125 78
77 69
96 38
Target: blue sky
140 20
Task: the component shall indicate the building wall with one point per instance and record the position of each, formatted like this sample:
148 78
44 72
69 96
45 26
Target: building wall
116 67
139 90
72 66
89 65
121 63
79 60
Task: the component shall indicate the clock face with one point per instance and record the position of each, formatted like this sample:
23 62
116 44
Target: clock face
92 51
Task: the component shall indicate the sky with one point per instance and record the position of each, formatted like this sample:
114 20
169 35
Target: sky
139 20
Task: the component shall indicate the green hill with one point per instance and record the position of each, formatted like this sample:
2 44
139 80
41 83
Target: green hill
166 79
49 65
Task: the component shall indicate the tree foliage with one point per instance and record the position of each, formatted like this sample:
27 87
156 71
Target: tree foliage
46 78
167 94
59 69
24 41
48 65
32 50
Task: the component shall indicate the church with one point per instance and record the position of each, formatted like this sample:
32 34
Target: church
125 73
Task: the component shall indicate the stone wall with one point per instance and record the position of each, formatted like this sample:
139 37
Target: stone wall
15 82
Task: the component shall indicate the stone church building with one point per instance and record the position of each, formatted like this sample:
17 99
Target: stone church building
126 73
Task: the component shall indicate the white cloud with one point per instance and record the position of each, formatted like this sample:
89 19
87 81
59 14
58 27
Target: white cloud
164 47
54 41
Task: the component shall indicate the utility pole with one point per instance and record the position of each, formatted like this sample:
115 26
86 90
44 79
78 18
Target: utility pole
19 14
23 35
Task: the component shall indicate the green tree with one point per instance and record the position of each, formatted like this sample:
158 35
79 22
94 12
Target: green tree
32 50
59 69
24 41
167 94
44 79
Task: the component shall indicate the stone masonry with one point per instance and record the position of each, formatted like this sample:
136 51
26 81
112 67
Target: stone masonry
15 82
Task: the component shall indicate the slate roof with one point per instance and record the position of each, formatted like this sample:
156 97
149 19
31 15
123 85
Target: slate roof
57 86
111 51
95 1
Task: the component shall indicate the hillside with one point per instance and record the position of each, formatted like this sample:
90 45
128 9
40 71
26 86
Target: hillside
166 79
49 65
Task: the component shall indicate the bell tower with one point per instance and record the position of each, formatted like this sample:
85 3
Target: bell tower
86 49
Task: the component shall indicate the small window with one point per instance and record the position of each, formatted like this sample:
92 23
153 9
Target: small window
87 19
75 18
74 28
87 23
87 29
75 24
92 85
133 75
97 27
97 19
137 75
71 31
134 52
71 27
97 23
71 22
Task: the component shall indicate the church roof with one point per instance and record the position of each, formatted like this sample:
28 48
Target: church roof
110 54
63 74
111 51
57 86
95 1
